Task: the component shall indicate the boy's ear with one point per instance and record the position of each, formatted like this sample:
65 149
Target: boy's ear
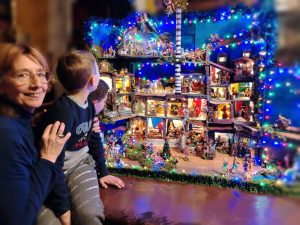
92 81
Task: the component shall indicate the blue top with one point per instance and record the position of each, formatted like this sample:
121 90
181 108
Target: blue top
25 179
79 121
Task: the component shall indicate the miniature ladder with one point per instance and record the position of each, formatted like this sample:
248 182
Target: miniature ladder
178 52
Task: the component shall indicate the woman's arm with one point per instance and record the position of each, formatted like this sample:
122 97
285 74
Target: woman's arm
25 183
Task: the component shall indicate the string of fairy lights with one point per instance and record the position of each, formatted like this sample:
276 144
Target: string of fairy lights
276 80
121 26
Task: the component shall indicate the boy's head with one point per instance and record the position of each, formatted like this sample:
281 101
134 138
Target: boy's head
76 70
99 96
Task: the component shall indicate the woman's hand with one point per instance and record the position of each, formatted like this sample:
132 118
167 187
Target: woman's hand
53 141
96 126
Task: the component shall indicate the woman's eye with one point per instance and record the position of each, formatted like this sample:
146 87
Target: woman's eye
23 75
41 75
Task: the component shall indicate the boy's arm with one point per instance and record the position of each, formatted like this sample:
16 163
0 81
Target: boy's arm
96 150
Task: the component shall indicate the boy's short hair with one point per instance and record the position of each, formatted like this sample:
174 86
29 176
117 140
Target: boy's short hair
100 92
75 68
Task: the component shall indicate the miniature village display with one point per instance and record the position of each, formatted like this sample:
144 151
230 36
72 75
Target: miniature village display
214 119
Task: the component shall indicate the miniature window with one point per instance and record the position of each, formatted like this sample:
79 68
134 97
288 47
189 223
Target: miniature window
140 107
218 93
138 127
244 110
197 108
123 84
155 108
174 128
123 104
223 112
241 90
155 128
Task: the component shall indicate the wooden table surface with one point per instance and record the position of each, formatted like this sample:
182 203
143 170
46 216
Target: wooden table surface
146 201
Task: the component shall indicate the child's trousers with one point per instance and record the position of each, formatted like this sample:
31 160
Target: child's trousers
86 206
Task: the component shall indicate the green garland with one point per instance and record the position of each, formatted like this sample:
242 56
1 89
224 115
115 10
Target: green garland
139 152
206 180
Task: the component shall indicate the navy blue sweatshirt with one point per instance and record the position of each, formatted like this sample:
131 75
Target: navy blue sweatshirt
25 179
79 121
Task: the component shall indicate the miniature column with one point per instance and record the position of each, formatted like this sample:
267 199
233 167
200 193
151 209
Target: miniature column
178 52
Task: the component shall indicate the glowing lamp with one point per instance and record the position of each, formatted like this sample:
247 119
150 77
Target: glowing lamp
222 58
246 54
262 52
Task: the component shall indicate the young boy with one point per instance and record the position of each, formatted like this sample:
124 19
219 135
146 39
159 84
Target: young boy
79 75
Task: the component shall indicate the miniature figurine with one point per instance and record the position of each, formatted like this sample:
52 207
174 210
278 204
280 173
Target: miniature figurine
218 94
202 87
119 163
247 176
212 93
234 165
225 166
165 106
195 86
169 6
184 149
242 112
250 167
227 78
245 166
234 93
185 119
181 111
283 122
111 52
123 71
160 110
224 114
174 109
247 92
287 161
218 141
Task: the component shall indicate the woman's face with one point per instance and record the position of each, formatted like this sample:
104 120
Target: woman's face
28 93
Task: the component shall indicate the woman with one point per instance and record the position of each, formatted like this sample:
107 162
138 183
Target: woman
26 175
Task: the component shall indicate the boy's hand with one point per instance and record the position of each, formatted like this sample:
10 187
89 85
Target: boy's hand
65 218
96 125
111 180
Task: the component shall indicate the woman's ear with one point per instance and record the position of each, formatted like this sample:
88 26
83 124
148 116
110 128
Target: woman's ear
2 85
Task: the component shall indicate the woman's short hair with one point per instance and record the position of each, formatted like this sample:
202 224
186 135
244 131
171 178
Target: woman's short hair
100 92
9 52
75 68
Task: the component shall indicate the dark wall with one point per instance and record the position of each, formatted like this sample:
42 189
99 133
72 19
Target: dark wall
6 32
85 9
